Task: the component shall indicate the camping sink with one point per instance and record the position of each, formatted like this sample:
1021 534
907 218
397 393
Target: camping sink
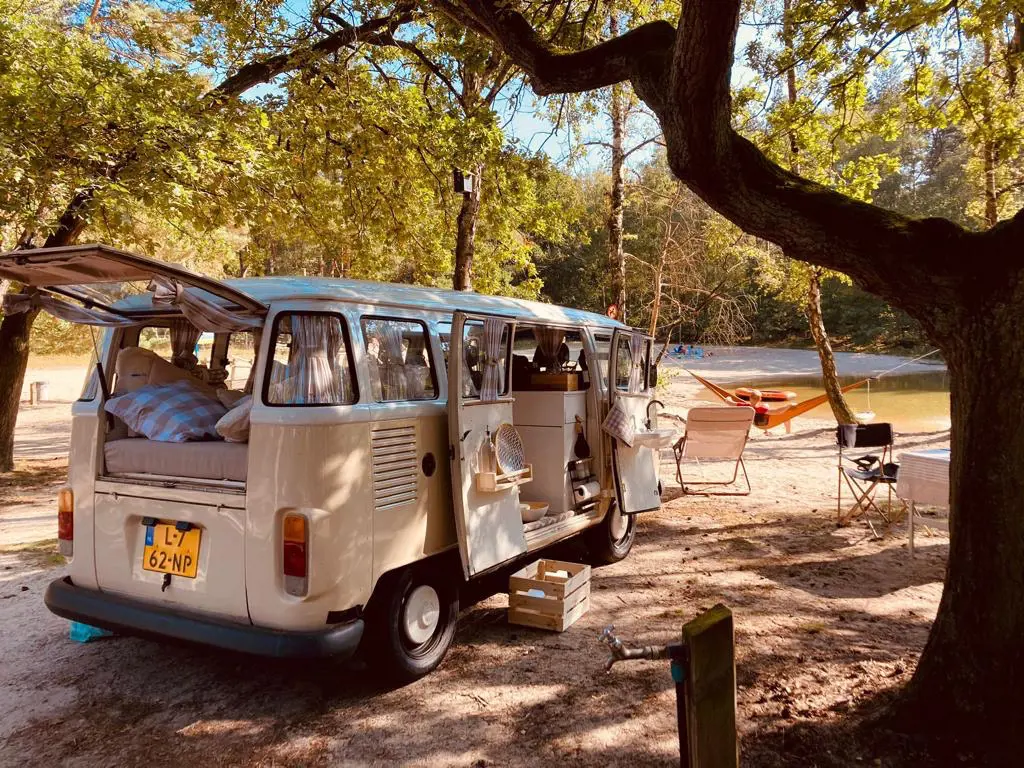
654 438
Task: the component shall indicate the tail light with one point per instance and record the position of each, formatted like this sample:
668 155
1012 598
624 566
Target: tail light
66 521
295 554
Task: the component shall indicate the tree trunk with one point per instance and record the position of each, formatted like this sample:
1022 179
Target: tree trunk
617 201
15 331
465 235
970 678
840 408
14 336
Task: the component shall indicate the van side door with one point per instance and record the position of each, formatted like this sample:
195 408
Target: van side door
486 502
635 468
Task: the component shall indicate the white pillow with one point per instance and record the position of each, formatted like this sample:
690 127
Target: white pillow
234 425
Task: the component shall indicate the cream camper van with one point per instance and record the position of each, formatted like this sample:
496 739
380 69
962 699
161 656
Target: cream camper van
330 465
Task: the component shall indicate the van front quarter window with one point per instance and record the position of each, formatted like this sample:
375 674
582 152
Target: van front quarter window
310 362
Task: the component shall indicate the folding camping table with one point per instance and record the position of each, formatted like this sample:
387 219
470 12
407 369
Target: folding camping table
923 478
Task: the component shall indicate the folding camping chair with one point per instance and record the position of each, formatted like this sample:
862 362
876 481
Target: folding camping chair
867 472
715 433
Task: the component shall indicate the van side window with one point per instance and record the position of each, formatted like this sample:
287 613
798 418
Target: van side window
398 360
624 367
311 362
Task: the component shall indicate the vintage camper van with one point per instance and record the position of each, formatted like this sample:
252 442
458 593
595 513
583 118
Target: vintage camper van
326 469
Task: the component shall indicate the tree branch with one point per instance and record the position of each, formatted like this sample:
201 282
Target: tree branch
607 63
263 71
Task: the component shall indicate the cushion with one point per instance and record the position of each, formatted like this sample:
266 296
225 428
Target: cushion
234 425
229 398
171 413
212 460
137 367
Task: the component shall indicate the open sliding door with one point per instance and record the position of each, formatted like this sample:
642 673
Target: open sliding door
487 517
635 468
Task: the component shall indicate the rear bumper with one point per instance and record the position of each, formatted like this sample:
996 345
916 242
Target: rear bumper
127 616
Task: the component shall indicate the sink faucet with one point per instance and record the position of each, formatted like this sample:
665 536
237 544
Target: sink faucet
648 423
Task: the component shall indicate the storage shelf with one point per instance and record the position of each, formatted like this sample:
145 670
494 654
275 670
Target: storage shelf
490 482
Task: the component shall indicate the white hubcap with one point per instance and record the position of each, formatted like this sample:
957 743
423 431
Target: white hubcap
618 524
422 614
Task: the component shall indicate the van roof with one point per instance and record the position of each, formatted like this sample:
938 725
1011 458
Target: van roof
282 288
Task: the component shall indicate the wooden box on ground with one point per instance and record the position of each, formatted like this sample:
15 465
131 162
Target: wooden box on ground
560 594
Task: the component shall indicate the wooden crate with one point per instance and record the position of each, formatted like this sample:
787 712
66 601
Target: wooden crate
564 599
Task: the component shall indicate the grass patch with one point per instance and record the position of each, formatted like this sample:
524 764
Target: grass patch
813 627
34 474
38 553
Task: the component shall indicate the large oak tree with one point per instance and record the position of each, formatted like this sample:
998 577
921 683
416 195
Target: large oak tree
964 287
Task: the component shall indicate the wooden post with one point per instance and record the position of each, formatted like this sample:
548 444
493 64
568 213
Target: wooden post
711 690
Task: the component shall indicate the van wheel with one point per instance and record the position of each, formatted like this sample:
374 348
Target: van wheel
611 540
414 626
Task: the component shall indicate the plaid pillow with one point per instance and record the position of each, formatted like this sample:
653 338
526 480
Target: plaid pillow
619 424
170 413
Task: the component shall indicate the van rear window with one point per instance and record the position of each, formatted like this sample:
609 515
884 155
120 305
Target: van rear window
311 362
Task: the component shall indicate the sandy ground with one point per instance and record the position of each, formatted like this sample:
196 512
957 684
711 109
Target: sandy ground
829 622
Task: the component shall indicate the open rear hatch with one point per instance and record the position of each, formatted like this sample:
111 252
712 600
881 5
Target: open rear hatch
98 276
184 548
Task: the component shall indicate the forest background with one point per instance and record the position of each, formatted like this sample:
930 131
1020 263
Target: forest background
205 133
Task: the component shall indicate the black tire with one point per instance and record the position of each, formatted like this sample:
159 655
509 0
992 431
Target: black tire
388 647
603 546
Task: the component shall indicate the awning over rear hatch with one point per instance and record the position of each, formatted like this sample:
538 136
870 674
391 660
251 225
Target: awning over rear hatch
98 276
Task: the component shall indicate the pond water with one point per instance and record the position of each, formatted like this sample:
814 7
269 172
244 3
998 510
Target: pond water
913 402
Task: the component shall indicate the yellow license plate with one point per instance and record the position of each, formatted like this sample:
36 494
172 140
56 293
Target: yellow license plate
169 550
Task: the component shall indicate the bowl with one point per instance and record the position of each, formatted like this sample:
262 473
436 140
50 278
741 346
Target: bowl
532 511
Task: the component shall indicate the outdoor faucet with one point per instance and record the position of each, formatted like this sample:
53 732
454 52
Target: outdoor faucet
621 653
648 422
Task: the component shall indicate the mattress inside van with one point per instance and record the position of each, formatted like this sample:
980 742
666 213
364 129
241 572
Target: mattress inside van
213 460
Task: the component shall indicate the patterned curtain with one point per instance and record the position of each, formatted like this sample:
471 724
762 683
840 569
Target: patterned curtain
549 340
636 352
202 312
312 375
184 337
490 387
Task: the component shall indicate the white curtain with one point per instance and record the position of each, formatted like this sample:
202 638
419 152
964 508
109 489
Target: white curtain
417 372
394 383
16 303
313 376
549 341
636 351
202 312
184 337
490 387
257 338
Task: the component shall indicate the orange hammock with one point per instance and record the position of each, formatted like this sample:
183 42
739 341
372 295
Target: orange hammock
775 416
